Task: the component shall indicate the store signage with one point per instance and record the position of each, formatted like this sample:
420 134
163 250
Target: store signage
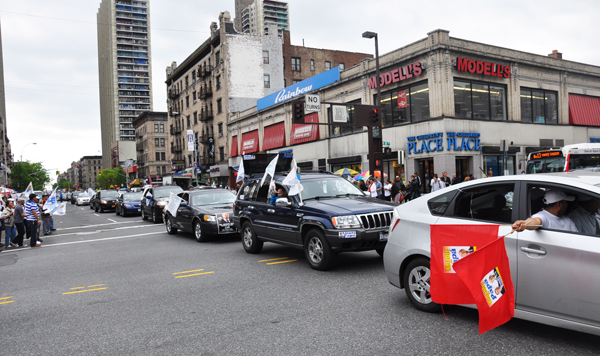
303 132
402 99
190 140
211 147
178 163
481 67
455 141
593 139
249 145
397 75
305 86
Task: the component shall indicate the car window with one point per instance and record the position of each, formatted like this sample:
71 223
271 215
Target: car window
132 196
439 204
166 192
109 194
248 191
487 202
582 209
328 187
216 197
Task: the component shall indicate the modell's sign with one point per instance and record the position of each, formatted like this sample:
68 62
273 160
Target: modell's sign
397 75
481 67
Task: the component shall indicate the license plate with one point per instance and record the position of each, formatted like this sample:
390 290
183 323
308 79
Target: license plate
113 206
383 236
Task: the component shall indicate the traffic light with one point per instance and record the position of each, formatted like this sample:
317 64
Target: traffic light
57 173
99 173
298 111
374 115
367 115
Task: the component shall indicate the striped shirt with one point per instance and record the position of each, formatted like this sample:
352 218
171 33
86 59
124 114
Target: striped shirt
30 207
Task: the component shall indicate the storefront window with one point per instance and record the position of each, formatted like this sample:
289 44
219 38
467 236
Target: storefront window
496 165
539 106
482 101
403 105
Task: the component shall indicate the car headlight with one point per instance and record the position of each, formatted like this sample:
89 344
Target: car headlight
128 206
103 201
210 218
161 203
345 222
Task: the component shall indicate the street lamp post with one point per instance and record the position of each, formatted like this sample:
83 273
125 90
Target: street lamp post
32 143
375 132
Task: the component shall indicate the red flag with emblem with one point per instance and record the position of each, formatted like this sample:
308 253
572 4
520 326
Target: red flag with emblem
450 243
486 273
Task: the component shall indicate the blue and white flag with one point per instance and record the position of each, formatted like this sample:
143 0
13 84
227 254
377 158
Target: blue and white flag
29 189
60 210
270 170
51 204
241 171
293 180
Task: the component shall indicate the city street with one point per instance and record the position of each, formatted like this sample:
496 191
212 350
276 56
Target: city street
104 284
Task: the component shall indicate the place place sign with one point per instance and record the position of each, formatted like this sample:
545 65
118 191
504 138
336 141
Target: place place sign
434 142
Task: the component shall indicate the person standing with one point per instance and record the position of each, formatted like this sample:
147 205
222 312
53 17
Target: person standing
8 220
446 179
415 187
387 191
33 220
45 216
455 180
419 183
372 188
436 184
20 221
379 188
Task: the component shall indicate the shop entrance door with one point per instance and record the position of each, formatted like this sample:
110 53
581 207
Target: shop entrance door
462 168
425 171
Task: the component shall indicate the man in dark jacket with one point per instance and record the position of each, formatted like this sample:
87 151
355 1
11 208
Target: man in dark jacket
415 187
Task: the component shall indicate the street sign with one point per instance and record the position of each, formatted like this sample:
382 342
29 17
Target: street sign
385 143
313 103
340 113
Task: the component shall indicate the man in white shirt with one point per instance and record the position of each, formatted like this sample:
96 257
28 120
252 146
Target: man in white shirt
436 184
552 216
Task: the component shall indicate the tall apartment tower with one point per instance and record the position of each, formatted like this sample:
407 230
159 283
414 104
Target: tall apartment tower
125 70
256 17
5 151
240 5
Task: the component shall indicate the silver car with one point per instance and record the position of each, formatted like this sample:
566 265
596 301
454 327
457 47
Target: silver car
556 273
83 200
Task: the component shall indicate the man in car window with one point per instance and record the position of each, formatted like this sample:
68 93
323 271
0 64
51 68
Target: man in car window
552 216
281 193
584 215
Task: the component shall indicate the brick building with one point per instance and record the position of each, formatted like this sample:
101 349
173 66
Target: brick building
152 138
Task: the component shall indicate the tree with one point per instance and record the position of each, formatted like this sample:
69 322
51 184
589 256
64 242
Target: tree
114 177
62 184
25 172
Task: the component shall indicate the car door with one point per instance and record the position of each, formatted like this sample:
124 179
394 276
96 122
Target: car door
282 223
558 271
145 206
185 213
486 203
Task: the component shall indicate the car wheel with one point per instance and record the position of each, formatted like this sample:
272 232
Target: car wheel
117 211
380 251
198 234
101 209
319 254
144 216
416 284
170 229
249 240
96 209
155 218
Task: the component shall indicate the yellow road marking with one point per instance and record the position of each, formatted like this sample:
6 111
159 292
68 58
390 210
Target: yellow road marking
78 288
274 263
7 302
95 285
196 274
5 298
87 290
196 270
273 259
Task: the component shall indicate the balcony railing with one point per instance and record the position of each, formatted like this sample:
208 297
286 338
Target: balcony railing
173 94
206 115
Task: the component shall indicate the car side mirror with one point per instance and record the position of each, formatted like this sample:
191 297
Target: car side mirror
282 202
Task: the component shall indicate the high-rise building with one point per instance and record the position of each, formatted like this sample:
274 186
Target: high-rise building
125 71
240 5
256 17
5 153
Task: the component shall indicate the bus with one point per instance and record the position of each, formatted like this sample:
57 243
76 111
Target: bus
570 158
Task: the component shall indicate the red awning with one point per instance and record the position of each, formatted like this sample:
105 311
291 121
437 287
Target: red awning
250 142
234 147
274 136
584 110
305 132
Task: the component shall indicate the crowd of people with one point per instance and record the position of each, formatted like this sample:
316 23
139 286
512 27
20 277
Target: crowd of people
23 219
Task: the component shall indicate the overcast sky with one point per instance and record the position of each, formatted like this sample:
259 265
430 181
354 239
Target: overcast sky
51 54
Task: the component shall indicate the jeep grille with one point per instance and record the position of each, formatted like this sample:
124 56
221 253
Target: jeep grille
376 220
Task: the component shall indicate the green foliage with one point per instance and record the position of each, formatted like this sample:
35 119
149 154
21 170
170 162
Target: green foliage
114 177
25 172
63 184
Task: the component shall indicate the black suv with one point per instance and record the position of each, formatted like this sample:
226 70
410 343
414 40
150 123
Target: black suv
154 200
105 200
333 216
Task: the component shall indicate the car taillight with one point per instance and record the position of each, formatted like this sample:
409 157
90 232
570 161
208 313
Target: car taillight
395 224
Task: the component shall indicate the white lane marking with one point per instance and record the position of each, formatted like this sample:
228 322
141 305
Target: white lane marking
86 226
106 230
96 215
105 239
82 208
112 220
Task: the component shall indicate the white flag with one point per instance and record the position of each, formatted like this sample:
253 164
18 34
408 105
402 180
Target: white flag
241 172
61 210
293 180
90 192
29 189
270 170
51 204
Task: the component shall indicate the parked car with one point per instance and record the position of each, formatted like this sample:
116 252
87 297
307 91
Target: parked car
555 273
129 204
104 200
205 213
153 207
334 216
83 199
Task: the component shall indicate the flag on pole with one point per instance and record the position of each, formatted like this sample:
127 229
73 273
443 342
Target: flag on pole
51 204
90 192
293 180
241 171
29 189
270 170
486 273
60 210
450 243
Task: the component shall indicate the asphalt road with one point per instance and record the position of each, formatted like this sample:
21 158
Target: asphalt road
107 285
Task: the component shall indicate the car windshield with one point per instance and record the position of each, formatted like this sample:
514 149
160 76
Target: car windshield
132 196
109 194
166 192
213 198
328 187
76 195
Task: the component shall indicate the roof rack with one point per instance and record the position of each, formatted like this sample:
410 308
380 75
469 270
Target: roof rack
315 171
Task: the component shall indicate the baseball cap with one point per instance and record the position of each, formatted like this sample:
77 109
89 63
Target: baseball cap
552 196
